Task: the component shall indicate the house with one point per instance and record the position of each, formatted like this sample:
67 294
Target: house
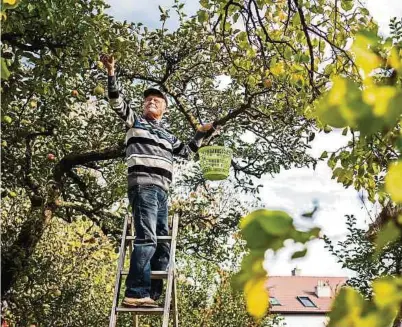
303 301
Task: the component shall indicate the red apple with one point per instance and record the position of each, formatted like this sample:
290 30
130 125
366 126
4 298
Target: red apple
267 83
51 157
74 93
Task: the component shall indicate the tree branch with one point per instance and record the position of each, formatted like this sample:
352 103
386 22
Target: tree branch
310 46
85 209
71 160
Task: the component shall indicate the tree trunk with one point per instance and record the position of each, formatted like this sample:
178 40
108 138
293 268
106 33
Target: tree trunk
15 260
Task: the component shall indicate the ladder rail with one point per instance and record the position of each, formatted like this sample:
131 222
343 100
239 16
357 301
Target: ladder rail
130 246
169 283
174 302
122 255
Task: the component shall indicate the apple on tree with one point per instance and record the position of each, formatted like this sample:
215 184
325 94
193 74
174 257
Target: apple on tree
51 157
33 104
267 83
99 90
7 119
99 64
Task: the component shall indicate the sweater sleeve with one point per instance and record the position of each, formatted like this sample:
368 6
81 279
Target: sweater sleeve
119 104
183 150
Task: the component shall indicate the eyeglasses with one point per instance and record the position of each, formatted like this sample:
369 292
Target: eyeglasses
156 99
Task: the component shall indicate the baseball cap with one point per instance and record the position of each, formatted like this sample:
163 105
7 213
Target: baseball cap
155 91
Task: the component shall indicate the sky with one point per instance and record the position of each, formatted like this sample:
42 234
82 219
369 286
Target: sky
293 190
147 12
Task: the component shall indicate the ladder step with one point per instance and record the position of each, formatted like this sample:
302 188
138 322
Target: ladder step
156 274
160 239
141 310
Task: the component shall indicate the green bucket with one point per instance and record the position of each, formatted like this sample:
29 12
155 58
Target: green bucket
215 162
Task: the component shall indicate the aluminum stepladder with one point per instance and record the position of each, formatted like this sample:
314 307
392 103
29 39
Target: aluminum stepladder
170 303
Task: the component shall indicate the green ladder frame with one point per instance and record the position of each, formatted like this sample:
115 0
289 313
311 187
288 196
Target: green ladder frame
170 275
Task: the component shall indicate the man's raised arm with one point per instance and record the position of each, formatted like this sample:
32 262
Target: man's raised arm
118 104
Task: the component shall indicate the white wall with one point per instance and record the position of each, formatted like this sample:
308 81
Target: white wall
304 320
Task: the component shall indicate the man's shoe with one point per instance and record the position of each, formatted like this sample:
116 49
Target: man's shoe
142 302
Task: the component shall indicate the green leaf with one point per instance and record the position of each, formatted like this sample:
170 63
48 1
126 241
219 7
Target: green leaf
387 234
324 155
296 19
242 36
388 292
277 68
347 4
304 58
380 98
299 254
273 222
251 267
365 58
343 106
205 4
161 10
202 16
288 53
393 181
5 73
346 308
9 4
364 11
257 298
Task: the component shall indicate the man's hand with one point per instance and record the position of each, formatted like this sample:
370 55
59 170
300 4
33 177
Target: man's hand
205 127
108 62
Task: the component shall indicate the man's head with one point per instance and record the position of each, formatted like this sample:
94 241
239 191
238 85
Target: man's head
155 104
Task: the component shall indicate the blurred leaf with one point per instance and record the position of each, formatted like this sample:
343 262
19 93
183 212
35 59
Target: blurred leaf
311 213
365 58
9 4
324 155
265 229
273 222
379 98
393 181
388 292
346 308
4 70
202 16
299 254
347 4
277 69
387 234
257 298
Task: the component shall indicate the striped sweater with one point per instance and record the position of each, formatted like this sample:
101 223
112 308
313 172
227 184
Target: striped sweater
149 146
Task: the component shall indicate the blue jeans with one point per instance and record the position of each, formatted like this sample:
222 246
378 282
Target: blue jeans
150 212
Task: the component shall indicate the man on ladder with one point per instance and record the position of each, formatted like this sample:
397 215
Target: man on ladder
149 153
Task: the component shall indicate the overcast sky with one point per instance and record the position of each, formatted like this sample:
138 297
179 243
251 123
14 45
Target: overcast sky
148 13
296 189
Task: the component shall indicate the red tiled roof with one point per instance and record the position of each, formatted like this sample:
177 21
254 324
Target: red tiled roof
286 289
